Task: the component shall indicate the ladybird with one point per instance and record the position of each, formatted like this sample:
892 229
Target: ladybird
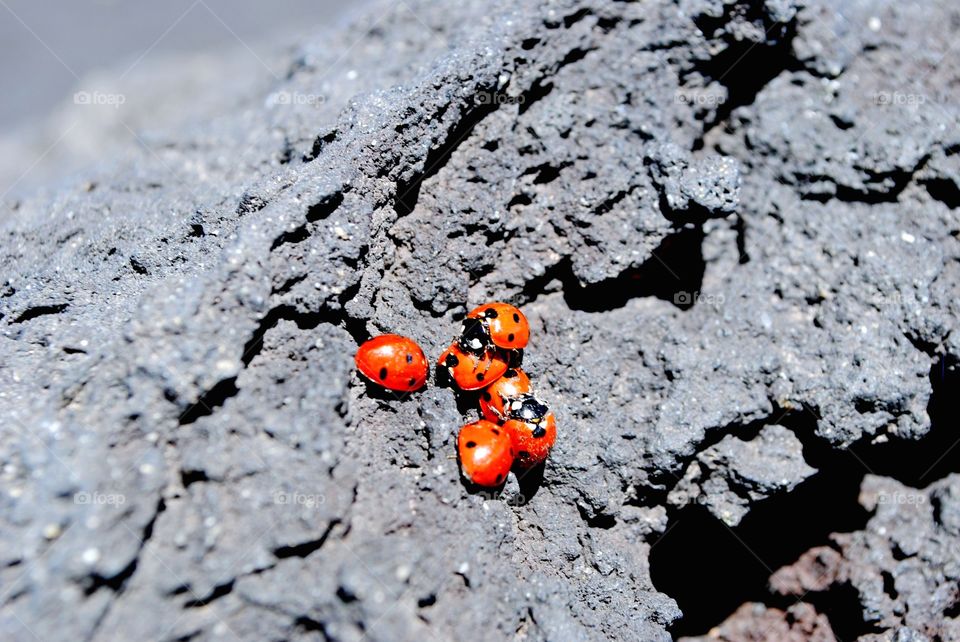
513 383
532 429
393 361
486 453
471 371
500 324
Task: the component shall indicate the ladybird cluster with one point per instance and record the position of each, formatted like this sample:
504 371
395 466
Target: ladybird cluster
517 428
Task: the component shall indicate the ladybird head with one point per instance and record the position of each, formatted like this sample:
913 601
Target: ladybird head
474 336
527 408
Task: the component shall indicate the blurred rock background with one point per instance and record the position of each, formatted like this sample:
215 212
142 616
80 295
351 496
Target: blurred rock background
80 78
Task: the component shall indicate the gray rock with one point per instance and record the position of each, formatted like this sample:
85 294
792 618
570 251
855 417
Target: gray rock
731 476
176 328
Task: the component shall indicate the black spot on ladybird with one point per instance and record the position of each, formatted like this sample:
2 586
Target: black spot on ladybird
511 373
499 477
451 361
516 317
471 444
413 380
479 376
383 374
539 431
409 358
486 395
523 454
490 313
495 431
510 337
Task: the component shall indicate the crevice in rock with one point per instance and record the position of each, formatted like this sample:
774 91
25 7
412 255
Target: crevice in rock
190 477
740 227
218 395
305 624
539 90
744 67
305 549
209 401
408 192
673 273
742 430
39 311
920 462
287 285
319 143
117 583
304 321
138 266
735 567
574 18
900 180
218 591
953 611
725 567
943 190
316 212
841 605
602 520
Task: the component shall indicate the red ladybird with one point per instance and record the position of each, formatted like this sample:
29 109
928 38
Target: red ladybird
486 454
393 361
513 383
502 324
471 371
532 429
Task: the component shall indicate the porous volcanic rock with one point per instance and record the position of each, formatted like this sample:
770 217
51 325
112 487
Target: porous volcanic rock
715 213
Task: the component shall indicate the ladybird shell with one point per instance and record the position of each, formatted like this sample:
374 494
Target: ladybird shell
532 441
485 452
506 325
473 371
494 397
393 361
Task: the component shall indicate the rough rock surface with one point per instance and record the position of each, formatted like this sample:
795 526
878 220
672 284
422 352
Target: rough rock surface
904 567
732 224
799 623
732 475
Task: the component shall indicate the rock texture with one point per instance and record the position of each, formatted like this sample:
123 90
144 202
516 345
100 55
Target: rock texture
732 224
732 475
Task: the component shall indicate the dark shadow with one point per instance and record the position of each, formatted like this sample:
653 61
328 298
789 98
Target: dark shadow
711 569
920 462
674 273
944 190
374 390
468 401
408 192
210 401
745 67
490 492
529 480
